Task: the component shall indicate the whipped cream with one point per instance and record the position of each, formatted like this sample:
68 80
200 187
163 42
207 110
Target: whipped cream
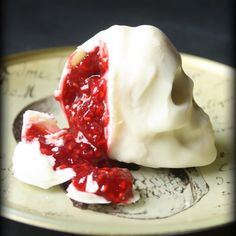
33 167
154 120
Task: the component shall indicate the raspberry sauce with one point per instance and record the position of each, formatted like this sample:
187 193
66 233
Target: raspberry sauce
83 146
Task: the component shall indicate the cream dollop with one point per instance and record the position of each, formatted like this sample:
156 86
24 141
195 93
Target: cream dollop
154 120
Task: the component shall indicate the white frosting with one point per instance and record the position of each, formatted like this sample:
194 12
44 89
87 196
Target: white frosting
35 168
153 119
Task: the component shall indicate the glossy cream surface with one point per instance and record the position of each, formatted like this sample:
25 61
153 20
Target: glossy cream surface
154 120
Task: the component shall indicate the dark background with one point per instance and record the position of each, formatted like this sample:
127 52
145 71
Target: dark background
200 27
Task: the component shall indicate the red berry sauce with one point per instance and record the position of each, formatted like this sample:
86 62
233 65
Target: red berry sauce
83 146
83 98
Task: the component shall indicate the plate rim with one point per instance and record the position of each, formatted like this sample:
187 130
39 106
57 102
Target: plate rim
52 51
84 228
40 221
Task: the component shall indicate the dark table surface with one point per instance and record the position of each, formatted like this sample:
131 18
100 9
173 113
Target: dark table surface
199 27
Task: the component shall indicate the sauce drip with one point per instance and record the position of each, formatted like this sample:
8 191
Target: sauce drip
83 146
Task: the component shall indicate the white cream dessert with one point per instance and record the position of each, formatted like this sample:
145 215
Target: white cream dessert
30 165
154 121
126 98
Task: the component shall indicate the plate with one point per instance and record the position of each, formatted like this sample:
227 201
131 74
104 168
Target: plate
187 199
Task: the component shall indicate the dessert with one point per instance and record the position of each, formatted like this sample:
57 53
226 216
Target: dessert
126 98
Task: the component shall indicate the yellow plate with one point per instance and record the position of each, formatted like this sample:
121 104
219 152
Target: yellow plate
199 200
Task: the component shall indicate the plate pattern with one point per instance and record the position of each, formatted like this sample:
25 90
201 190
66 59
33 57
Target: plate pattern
167 196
